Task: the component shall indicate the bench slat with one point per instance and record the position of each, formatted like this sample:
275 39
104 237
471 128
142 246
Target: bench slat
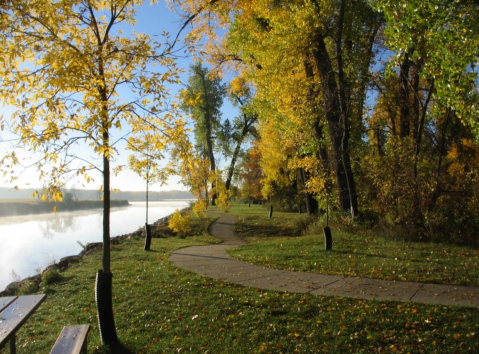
5 301
72 340
16 314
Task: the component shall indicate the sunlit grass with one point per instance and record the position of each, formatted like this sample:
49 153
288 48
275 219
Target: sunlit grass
160 308
274 243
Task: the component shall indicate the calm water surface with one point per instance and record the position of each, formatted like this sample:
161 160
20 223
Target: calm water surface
30 243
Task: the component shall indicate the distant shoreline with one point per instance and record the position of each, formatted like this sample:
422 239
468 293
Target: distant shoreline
12 207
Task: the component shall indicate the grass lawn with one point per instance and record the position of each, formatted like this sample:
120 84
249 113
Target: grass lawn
276 243
160 308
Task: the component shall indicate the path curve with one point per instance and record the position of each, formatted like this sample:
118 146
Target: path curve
213 261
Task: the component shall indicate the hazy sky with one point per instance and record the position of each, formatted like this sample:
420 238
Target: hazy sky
151 19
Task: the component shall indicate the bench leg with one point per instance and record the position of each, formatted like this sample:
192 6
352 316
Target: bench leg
13 346
85 347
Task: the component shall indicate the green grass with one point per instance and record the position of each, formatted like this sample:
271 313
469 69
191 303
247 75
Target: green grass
274 243
160 308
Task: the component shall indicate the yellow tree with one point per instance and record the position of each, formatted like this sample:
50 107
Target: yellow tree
193 169
251 175
148 147
65 65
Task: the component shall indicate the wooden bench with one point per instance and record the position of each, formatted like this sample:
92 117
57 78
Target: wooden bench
14 312
72 340
5 301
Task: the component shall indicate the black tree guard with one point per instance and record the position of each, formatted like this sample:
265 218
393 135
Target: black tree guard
147 237
328 239
104 304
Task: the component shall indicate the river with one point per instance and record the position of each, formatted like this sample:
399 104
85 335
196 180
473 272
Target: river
29 243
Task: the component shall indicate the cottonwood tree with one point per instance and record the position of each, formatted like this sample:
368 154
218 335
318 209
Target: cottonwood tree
65 64
203 99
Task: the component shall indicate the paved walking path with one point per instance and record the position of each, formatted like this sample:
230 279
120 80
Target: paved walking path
213 261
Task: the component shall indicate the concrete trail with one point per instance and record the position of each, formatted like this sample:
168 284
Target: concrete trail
213 261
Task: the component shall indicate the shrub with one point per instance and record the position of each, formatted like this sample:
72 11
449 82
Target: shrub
51 276
223 201
179 223
199 208
28 287
304 223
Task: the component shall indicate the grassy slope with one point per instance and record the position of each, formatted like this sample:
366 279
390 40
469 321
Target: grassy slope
162 309
274 243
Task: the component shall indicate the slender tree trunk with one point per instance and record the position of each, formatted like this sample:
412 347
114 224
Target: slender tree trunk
206 194
232 165
147 198
211 156
104 278
106 211
420 129
312 205
442 152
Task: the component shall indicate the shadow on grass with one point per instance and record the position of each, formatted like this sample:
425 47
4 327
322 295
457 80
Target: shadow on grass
264 231
117 348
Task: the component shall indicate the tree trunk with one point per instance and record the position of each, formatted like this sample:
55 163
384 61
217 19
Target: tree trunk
338 129
211 157
147 227
246 128
104 280
312 205
106 209
147 183
209 140
232 164
404 103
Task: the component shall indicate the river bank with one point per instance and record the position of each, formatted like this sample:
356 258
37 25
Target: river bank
12 207
159 229
30 243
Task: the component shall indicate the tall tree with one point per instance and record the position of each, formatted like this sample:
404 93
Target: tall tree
203 99
64 73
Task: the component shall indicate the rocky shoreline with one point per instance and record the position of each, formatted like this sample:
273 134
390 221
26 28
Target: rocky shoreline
12 288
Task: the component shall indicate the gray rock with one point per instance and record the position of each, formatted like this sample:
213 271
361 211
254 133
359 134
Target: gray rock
53 266
66 261
93 246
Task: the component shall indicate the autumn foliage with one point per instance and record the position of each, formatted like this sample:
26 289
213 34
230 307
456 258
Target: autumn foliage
373 104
